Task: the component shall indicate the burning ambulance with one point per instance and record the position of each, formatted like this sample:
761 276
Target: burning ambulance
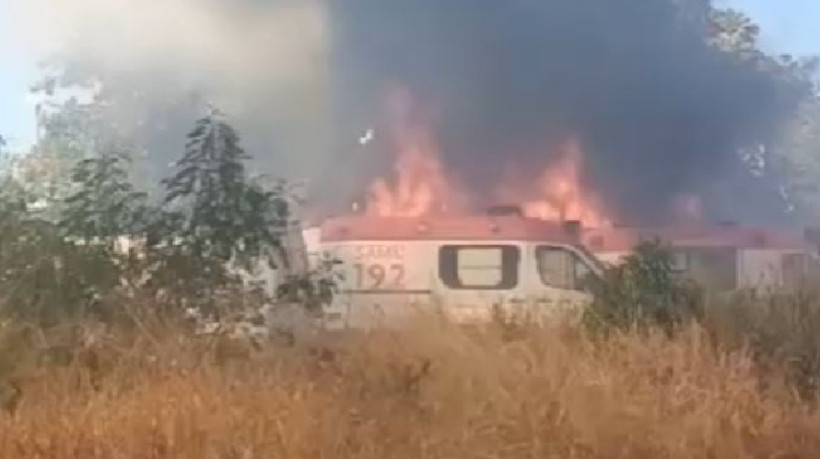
462 265
720 258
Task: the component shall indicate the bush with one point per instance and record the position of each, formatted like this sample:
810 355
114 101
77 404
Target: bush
43 277
643 292
779 330
63 261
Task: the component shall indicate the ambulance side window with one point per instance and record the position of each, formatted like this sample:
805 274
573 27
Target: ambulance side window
561 268
479 267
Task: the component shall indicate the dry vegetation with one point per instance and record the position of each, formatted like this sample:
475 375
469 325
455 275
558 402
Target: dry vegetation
430 390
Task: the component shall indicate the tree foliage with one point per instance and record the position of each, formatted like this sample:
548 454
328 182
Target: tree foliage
105 205
69 132
793 162
223 215
644 291
44 278
215 218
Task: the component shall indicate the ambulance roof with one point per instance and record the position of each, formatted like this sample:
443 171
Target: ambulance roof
445 228
624 239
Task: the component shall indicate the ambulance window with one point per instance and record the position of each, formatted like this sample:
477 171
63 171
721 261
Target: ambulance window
562 268
479 267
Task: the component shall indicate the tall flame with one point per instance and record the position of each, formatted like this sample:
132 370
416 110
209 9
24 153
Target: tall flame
420 185
557 193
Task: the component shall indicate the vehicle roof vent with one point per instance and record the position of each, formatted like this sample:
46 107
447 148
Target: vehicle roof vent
504 211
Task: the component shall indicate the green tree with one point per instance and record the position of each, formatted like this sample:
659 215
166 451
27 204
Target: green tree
105 205
225 214
737 35
215 216
644 291
43 278
787 159
59 222
68 134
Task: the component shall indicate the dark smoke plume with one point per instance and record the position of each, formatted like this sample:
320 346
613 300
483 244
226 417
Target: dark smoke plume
661 112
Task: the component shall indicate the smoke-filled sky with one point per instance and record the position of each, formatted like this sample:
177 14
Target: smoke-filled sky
246 56
788 25
264 62
658 113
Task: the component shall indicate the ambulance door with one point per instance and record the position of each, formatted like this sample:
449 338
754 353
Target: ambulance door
562 278
475 278
381 283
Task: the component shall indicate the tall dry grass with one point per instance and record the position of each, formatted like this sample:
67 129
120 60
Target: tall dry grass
428 391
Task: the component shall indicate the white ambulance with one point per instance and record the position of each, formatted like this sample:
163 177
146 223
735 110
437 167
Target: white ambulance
721 257
462 266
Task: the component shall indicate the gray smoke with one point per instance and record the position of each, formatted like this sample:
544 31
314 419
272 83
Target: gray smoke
660 111
157 65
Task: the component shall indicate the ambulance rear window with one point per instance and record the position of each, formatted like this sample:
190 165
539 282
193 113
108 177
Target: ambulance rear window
484 267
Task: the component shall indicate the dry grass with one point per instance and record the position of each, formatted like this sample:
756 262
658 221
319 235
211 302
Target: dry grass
431 391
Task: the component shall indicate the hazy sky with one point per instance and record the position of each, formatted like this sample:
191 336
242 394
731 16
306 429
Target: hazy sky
16 72
788 25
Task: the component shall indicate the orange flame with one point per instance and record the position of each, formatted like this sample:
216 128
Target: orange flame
557 193
420 185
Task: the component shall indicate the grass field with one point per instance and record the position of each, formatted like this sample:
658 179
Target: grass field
428 391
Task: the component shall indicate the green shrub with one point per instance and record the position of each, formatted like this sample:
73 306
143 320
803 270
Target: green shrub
781 330
643 291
